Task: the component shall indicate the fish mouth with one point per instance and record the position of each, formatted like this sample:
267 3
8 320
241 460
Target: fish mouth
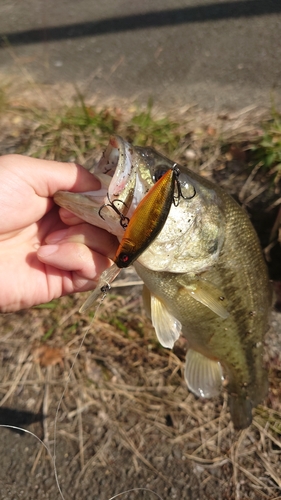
116 165
103 207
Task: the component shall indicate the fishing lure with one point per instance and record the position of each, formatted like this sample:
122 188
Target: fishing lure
145 224
147 220
124 221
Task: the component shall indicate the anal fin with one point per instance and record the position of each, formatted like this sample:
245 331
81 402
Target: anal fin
203 375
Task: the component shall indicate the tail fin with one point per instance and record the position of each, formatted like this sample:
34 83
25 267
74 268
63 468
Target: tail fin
242 401
240 411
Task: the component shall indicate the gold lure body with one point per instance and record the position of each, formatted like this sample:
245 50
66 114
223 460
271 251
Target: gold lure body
147 220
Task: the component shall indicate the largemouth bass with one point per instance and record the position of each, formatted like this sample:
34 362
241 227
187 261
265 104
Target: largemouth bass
204 274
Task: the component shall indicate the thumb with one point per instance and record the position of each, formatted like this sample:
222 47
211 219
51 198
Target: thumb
47 176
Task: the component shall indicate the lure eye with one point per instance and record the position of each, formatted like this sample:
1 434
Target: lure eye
124 258
161 170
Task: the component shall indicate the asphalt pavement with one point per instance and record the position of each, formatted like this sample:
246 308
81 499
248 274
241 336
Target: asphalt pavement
216 54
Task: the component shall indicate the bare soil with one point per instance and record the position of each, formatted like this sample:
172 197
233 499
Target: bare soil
111 404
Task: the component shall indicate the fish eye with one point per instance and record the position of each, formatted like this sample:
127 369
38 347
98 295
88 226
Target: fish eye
161 170
187 189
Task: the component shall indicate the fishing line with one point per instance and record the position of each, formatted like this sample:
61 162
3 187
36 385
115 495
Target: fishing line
53 461
109 275
124 221
135 489
53 456
104 291
45 446
65 388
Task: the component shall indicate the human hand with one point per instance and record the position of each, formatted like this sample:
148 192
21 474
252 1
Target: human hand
41 255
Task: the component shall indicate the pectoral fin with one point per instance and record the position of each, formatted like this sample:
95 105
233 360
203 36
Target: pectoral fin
208 294
203 375
167 327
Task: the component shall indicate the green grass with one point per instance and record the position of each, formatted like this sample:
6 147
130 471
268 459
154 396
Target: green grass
73 132
267 150
144 130
48 334
49 305
77 130
269 419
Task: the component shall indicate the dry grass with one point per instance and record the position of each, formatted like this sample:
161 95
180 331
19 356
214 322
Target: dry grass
131 391
125 404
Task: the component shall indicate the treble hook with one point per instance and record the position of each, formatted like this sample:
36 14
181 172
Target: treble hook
124 221
176 199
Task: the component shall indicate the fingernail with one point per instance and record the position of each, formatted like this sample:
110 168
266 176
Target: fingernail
57 236
47 250
66 214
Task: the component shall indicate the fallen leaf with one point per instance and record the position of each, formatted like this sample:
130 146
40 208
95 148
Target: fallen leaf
48 356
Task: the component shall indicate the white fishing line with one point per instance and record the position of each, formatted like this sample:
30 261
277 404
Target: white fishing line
45 446
135 489
58 408
53 456
65 389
